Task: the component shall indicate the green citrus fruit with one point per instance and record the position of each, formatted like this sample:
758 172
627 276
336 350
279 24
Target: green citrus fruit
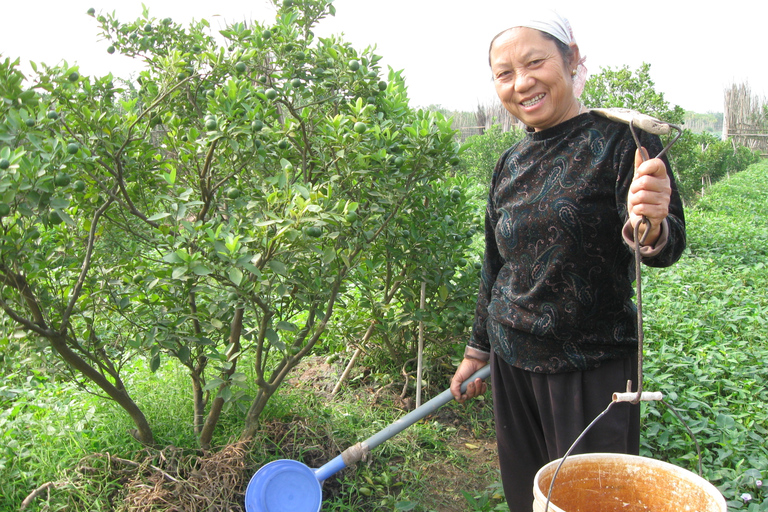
399 161
79 186
4 163
354 65
52 115
351 217
240 67
111 50
313 231
257 125
72 148
382 85
271 93
360 127
283 144
266 34
33 234
74 76
296 82
91 11
233 193
61 179
4 210
30 122
211 124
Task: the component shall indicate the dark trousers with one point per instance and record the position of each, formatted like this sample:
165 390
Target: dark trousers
539 416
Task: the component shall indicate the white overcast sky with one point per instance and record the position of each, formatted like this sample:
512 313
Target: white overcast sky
696 48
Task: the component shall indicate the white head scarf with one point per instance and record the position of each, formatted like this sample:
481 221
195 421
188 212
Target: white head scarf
552 23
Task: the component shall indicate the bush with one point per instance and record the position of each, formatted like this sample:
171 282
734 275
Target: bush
482 151
700 159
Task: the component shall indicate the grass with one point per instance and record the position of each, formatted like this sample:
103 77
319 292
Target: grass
706 321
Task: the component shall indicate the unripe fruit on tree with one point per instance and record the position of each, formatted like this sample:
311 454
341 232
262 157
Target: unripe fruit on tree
271 93
61 179
4 163
72 148
360 127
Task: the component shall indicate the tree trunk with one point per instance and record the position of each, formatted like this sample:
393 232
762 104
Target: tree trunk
115 391
218 403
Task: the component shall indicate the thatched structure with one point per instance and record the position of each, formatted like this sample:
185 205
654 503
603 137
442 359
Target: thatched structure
745 119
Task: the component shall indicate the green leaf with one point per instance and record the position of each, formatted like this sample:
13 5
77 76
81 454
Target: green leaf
278 267
212 384
201 270
183 354
235 275
154 363
286 326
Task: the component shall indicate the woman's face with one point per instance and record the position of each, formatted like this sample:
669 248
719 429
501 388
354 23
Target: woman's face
533 82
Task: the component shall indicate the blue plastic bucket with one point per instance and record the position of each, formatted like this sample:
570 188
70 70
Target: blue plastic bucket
284 486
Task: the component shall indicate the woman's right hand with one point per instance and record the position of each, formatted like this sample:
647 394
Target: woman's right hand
465 370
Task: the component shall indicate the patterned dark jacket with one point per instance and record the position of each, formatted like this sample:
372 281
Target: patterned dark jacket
557 279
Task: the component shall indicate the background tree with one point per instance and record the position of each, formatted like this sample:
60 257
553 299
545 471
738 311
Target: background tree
627 89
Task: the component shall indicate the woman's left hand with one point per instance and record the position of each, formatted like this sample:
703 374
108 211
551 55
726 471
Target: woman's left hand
649 195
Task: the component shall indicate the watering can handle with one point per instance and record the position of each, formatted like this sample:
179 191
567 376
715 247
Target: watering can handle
354 453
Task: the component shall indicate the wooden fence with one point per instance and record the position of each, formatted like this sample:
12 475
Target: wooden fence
745 119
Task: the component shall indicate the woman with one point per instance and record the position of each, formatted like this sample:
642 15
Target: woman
554 315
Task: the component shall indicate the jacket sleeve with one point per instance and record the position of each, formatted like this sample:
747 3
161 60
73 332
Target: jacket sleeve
672 241
479 346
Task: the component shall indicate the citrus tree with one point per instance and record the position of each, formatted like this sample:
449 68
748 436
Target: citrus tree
211 211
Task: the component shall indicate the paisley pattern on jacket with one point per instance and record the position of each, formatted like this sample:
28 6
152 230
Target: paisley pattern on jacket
557 280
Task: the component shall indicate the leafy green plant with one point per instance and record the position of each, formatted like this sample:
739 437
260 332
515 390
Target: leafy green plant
201 212
705 320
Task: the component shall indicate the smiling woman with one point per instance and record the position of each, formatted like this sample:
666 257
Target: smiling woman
554 313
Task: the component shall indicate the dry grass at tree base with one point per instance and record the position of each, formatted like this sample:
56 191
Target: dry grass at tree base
175 480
